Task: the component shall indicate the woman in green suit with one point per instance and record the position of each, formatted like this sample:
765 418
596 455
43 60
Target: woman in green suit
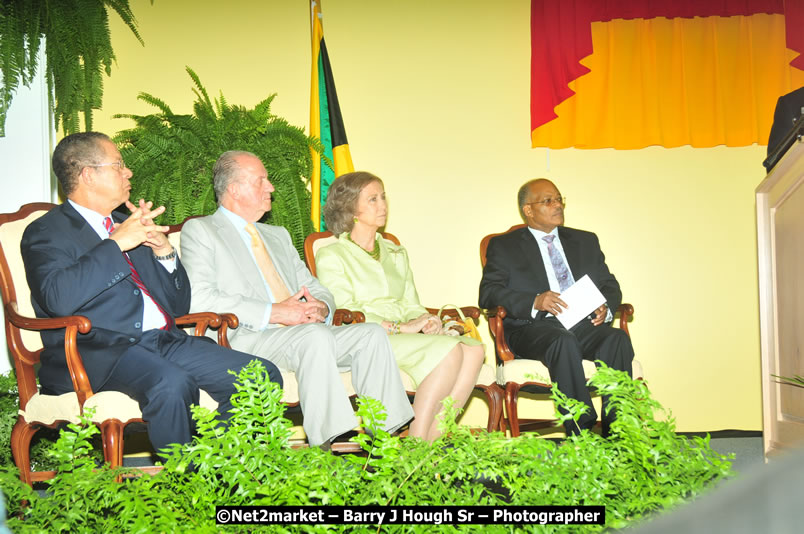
368 273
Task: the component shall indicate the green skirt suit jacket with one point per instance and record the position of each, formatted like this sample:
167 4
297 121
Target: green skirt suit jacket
384 291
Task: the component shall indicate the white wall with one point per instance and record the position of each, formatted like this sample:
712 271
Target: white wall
25 159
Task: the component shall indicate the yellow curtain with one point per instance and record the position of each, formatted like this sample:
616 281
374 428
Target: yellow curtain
672 82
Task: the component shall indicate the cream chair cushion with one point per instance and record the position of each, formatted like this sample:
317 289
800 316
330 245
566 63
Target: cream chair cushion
323 242
47 409
10 236
291 386
486 376
521 371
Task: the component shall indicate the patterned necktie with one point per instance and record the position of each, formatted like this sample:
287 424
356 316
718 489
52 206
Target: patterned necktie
278 288
559 266
107 223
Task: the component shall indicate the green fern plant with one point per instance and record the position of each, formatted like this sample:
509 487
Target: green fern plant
43 441
9 404
172 156
78 49
643 469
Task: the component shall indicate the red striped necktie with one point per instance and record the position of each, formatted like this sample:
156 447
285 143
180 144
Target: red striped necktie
107 223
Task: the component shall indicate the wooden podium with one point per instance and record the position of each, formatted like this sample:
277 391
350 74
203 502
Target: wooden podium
780 247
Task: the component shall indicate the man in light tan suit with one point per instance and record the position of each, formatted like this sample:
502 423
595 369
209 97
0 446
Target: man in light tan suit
285 314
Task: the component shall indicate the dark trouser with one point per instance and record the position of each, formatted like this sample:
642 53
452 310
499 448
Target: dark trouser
562 351
164 371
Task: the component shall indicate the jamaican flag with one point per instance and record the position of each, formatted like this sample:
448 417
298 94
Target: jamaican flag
326 122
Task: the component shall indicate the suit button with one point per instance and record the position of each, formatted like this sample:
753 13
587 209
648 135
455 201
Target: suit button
136 291
132 340
137 324
177 283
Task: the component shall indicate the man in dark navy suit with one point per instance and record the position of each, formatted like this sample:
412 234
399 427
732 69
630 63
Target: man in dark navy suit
122 273
526 271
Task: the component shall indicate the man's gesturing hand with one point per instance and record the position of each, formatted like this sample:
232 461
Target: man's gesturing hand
140 229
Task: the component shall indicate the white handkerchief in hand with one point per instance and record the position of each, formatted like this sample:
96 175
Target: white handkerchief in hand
582 298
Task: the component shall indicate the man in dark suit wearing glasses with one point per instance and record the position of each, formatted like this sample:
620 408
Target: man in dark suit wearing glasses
527 270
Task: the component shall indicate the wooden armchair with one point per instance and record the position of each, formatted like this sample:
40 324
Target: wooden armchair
486 382
113 410
515 374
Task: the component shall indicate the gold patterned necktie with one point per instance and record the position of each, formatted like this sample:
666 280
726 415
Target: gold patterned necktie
266 265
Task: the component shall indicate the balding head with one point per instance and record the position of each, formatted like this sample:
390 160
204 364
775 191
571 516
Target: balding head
524 195
541 204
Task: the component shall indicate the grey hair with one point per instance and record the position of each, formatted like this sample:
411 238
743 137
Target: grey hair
72 154
226 170
341 206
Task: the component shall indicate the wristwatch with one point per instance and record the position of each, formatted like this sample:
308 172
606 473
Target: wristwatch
166 256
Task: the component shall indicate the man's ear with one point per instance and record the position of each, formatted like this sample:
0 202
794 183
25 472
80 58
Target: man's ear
233 191
87 176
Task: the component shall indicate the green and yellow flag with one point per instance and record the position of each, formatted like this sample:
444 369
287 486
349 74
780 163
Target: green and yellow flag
326 122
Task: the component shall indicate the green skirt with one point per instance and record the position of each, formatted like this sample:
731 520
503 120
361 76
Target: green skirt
419 354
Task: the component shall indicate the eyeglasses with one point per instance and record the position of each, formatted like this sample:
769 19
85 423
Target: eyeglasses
121 165
547 202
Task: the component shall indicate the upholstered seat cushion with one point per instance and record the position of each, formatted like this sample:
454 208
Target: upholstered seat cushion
47 409
291 386
486 376
522 371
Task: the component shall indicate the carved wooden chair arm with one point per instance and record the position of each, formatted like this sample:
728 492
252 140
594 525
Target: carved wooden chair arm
201 320
73 324
344 316
452 313
495 317
626 312
499 311
229 320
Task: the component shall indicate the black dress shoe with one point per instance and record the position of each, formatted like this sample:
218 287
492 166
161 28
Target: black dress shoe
345 437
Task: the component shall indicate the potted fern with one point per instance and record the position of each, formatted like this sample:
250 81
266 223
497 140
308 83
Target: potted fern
172 156
78 50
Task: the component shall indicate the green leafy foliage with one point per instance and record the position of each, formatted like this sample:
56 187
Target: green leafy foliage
9 404
172 157
795 380
43 441
78 48
644 468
